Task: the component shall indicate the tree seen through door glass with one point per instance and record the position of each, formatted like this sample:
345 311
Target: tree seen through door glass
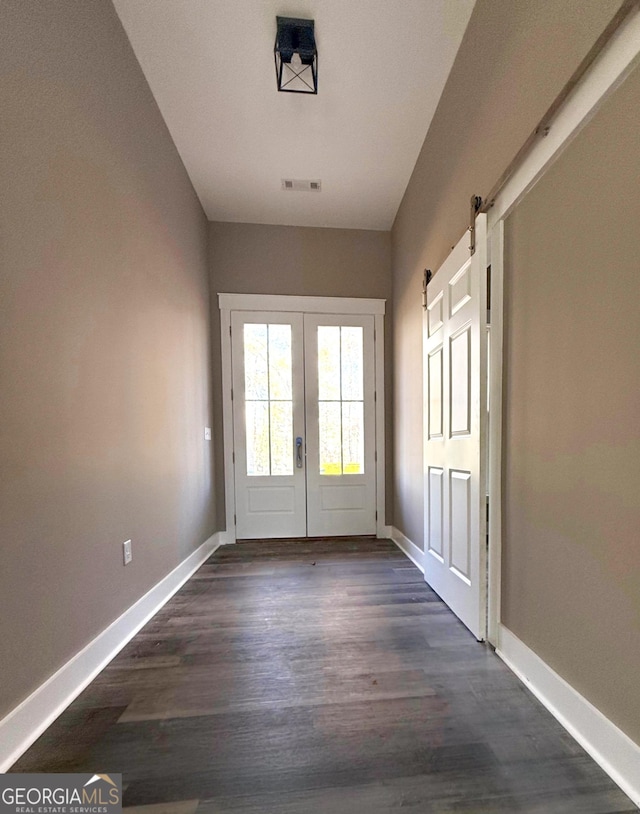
340 400
268 399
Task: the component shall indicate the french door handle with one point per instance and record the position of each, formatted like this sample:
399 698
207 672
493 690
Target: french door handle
299 452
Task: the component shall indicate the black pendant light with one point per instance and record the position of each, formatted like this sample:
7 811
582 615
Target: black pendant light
296 56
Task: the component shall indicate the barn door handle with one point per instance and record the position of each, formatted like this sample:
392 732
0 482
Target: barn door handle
299 452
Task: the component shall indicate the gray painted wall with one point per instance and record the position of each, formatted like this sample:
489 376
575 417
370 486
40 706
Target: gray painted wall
571 441
104 338
105 352
514 59
571 579
255 259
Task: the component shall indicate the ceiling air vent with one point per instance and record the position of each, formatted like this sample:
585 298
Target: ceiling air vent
296 185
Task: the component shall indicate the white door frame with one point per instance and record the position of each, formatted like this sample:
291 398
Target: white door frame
345 306
610 69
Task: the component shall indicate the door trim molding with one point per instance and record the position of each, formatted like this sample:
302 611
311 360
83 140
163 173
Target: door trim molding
494 473
347 306
305 305
227 426
381 469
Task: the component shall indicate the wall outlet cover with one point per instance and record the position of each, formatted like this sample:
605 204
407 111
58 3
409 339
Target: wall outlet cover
207 433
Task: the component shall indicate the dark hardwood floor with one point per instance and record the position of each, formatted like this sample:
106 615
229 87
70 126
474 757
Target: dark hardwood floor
321 677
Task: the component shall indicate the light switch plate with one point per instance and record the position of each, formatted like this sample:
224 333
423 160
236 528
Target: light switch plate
207 433
126 552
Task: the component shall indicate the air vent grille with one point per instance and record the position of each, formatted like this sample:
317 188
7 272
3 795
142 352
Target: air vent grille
298 185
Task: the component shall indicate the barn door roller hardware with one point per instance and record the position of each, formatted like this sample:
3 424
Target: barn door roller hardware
476 206
426 279
541 130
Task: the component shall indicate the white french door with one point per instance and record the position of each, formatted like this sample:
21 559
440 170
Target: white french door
455 432
268 418
340 413
304 424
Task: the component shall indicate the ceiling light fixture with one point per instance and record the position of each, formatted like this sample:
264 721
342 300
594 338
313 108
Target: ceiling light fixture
296 56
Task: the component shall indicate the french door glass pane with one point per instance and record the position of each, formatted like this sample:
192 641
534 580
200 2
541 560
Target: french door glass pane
328 362
257 437
281 438
330 440
268 399
352 374
352 437
256 354
280 362
341 399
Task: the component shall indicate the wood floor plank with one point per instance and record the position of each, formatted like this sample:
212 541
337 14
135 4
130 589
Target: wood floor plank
319 676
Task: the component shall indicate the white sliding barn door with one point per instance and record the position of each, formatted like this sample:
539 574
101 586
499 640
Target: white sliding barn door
455 359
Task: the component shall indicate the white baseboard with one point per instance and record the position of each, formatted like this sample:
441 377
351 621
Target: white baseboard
23 725
415 554
227 537
608 745
614 751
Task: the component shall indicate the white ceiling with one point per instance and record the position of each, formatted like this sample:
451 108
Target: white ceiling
382 66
